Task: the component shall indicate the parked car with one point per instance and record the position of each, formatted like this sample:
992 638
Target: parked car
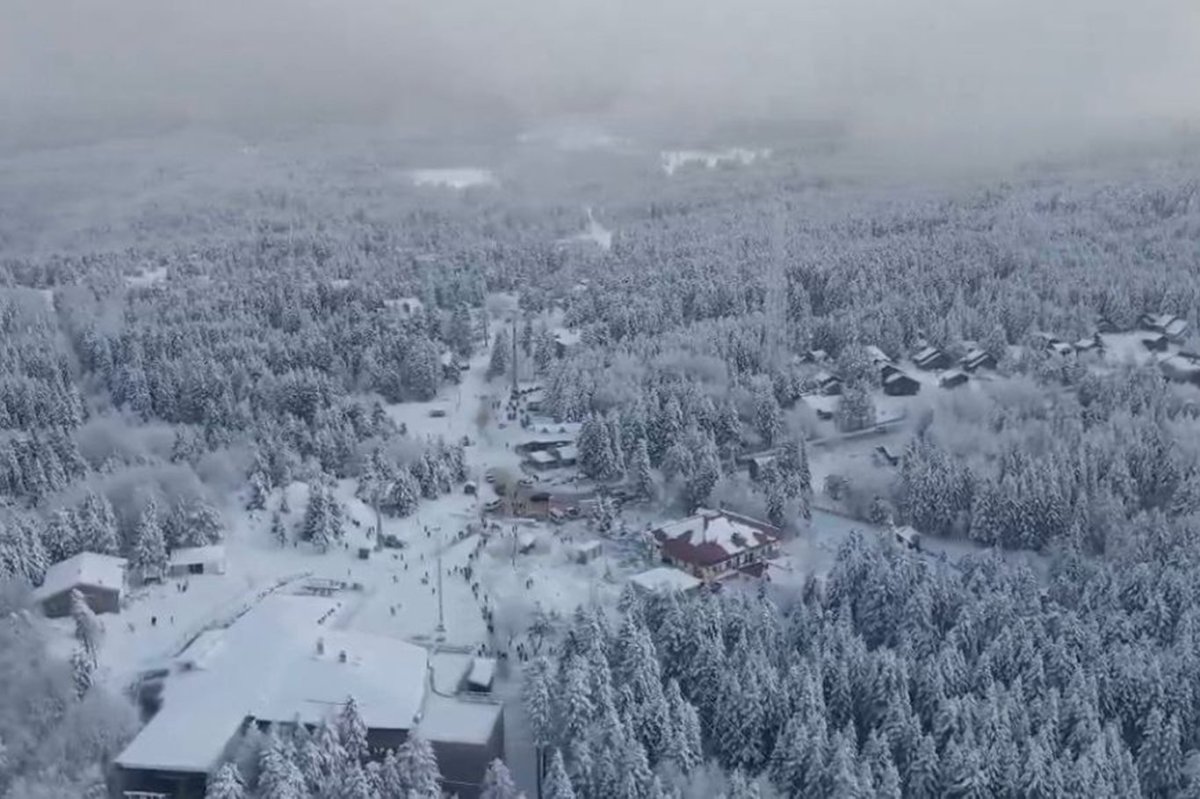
438 413
573 512
527 482
493 505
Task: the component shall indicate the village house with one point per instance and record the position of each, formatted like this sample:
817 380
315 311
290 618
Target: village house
828 384
930 359
1156 343
197 560
878 357
897 384
953 379
1181 369
277 665
978 359
100 578
1169 325
1089 344
715 544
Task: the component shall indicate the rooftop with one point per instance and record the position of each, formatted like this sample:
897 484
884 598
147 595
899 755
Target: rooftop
710 537
664 579
86 568
459 719
208 554
266 666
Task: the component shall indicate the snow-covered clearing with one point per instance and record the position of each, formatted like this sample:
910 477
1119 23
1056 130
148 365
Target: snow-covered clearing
147 277
454 178
595 232
674 160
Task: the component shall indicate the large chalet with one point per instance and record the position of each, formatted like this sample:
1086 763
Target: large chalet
715 544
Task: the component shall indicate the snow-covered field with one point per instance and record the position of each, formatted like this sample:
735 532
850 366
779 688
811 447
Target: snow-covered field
674 160
595 232
457 178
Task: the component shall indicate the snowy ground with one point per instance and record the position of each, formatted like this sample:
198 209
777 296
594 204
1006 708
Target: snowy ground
457 178
595 232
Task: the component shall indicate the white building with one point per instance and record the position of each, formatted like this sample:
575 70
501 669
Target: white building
197 560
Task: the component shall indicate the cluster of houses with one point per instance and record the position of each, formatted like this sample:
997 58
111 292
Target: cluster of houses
894 380
550 447
277 665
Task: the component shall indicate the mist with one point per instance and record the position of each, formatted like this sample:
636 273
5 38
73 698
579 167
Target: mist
911 76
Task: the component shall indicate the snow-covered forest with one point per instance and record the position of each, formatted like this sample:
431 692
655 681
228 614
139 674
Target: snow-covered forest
189 348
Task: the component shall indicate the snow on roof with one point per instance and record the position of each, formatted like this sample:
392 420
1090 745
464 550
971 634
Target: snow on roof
663 579
876 354
710 537
86 568
1175 327
203 709
448 669
569 452
208 554
266 666
386 677
483 672
589 546
526 539
926 354
541 456
459 719
896 375
568 338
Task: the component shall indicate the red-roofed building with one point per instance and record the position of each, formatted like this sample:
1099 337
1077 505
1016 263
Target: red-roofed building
714 544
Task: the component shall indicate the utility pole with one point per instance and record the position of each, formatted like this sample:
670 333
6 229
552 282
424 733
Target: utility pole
441 625
514 354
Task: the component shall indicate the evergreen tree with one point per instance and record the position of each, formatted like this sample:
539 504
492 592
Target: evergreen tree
640 470
498 783
459 334
855 409
557 785
768 418
278 530
278 776
501 351
150 549
417 766
88 630
352 731
83 664
258 492
226 783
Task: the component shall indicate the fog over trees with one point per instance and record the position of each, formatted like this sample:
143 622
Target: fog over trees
917 286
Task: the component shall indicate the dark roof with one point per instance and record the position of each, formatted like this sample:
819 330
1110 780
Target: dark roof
712 537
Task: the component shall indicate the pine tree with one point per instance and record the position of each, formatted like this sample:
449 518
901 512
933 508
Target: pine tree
278 777
923 778
88 630
315 527
258 492
417 767
557 785
1160 758
226 783
640 470
501 350
278 530
352 732
459 334
150 549
498 783
83 664
768 418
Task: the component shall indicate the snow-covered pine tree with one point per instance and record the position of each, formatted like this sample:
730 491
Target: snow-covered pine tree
768 418
640 471
88 631
150 549
498 782
226 783
557 784
258 492
417 769
83 664
278 529
501 352
352 731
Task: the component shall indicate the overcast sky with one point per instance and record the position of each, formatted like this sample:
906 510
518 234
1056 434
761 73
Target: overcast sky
979 71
